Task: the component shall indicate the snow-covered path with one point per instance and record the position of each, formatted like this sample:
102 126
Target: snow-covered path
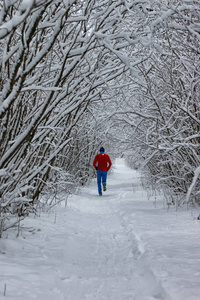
116 247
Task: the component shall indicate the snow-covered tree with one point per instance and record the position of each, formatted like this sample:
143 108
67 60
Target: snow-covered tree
162 104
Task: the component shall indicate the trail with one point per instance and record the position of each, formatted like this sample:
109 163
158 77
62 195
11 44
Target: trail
114 247
111 262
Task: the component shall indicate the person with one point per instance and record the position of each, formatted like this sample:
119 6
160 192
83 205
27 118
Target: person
102 164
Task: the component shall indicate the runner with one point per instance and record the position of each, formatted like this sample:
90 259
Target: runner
102 164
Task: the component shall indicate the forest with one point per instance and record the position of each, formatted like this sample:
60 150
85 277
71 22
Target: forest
79 74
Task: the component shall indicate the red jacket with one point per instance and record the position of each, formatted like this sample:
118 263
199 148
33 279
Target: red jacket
102 162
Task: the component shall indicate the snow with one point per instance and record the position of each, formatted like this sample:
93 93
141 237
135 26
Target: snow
120 246
3 172
26 4
41 88
8 26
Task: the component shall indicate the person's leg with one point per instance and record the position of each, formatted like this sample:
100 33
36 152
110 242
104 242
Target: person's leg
99 175
104 177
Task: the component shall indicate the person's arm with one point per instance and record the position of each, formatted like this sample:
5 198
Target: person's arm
110 163
95 162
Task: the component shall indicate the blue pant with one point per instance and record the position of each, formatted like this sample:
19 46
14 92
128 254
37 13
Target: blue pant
101 178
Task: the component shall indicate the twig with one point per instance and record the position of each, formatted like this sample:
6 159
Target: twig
4 293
